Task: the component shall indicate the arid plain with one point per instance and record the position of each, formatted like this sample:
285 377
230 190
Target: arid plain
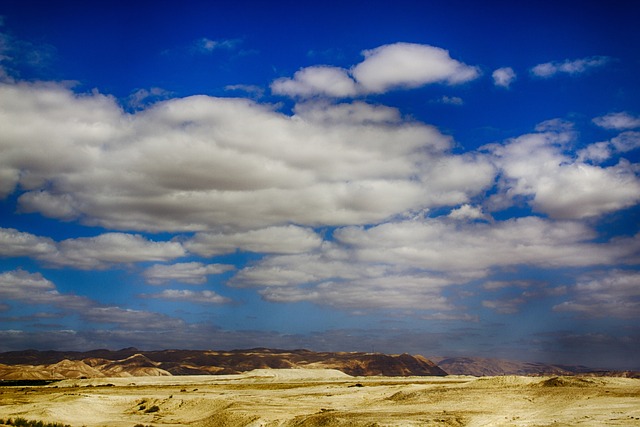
326 397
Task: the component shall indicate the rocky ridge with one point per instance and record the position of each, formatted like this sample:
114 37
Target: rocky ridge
42 365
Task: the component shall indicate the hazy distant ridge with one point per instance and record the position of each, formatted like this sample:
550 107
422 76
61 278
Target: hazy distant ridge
479 366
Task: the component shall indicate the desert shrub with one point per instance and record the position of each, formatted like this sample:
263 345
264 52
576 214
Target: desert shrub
23 422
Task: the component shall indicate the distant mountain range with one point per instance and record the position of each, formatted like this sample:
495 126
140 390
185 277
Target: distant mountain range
479 367
33 364
129 362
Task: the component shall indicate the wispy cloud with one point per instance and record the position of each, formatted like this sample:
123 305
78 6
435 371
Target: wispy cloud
194 273
34 289
199 297
451 100
206 45
614 293
618 121
569 66
252 90
142 98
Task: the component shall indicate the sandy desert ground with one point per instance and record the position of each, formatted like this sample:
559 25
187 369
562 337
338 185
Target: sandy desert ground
300 397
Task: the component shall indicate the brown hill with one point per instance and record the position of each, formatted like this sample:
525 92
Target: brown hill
33 364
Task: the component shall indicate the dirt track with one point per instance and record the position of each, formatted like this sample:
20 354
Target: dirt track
328 398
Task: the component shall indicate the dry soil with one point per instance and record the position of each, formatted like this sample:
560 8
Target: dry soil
301 397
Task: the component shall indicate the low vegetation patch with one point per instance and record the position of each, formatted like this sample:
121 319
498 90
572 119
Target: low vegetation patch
23 422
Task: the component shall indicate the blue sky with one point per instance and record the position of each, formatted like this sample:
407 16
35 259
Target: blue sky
442 178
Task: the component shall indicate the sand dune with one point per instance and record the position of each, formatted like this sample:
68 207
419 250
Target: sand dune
299 397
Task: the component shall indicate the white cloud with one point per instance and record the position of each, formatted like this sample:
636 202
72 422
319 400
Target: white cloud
503 77
392 292
615 293
601 151
318 80
21 285
201 297
571 67
409 65
626 141
597 152
128 319
33 288
392 66
98 252
112 248
203 163
252 90
618 121
452 247
283 240
14 243
467 211
188 272
535 166
408 264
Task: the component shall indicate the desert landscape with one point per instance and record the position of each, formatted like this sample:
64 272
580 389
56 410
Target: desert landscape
326 397
263 387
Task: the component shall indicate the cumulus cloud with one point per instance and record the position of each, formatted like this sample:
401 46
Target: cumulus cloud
21 285
88 252
614 293
618 121
188 272
318 80
112 248
287 239
203 163
597 152
601 151
398 65
14 243
503 77
410 65
536 167
200 297
467 211
571 67
409 264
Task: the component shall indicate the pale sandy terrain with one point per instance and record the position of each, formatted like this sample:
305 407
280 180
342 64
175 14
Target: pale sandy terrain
300 397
